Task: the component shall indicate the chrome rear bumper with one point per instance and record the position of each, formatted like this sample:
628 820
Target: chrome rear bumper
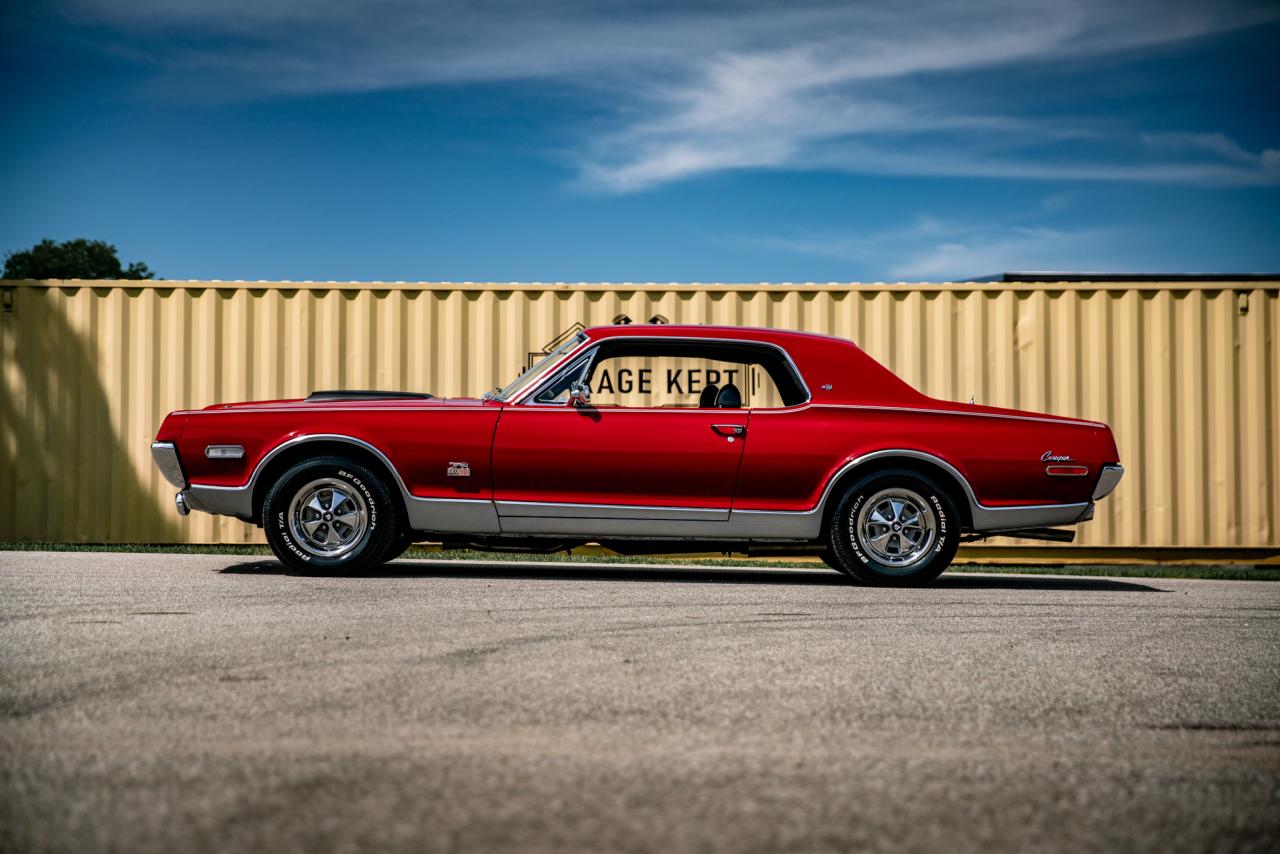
1107 481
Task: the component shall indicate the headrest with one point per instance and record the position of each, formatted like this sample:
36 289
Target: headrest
729 397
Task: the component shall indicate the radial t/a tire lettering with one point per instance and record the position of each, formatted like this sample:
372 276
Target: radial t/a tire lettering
893 528
330 515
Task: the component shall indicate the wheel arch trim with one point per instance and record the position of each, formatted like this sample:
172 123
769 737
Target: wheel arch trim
311 438
856 463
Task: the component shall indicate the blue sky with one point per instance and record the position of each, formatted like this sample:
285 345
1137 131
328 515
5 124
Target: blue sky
622 141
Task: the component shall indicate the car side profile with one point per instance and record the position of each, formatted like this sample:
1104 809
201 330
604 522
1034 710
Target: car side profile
647 439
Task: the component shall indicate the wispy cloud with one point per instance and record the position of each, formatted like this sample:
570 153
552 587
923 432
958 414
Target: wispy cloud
1024 248
691 89
1265 162
933 248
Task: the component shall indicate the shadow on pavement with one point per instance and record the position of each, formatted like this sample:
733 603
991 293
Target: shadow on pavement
1041 582
537 570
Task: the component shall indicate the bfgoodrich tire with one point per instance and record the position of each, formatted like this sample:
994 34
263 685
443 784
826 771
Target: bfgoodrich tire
330 515
894 528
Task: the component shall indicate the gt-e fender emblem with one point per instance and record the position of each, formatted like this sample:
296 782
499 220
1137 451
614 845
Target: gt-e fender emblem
459 469
1051 457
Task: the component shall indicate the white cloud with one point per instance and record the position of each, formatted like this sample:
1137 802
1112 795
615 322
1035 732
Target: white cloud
933 248
1027 248
698 88
1265 162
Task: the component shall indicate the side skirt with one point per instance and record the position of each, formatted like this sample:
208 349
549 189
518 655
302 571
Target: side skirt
597 521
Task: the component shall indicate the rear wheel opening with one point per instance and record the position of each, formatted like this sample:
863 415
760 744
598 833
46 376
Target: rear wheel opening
330 515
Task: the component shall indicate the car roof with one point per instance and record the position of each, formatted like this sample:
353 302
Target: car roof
700 330
836 370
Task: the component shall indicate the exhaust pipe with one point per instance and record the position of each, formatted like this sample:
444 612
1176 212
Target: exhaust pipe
1056 535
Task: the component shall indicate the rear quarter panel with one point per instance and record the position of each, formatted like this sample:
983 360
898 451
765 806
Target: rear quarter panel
790 456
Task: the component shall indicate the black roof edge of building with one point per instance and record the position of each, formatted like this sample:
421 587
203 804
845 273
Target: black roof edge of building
1128 277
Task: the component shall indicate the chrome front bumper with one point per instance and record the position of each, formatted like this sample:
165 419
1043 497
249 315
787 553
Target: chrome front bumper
234 501
166 459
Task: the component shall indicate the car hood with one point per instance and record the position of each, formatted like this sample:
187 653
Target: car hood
352 400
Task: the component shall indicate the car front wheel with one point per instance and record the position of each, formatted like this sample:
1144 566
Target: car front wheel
894 528
330 515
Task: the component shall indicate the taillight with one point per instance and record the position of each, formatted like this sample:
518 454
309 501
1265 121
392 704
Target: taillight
1066 471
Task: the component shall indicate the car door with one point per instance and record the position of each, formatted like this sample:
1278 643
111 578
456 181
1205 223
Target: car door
623 456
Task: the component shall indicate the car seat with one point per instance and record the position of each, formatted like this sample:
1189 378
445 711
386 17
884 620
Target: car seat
707 399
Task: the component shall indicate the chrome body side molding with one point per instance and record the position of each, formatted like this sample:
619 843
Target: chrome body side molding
745 524
543 509
733 525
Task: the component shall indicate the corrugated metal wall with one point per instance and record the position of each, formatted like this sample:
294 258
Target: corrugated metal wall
1186 373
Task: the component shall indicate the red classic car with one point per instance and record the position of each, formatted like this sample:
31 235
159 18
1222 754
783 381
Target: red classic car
647 439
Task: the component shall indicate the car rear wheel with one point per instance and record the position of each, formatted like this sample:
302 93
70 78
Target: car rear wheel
330 515
894 528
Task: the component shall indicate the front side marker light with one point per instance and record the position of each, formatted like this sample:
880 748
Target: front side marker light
224 452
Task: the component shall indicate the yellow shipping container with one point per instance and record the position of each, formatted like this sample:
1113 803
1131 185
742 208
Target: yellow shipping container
1186 373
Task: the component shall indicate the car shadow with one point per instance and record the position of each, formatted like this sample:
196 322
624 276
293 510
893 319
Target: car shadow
541 571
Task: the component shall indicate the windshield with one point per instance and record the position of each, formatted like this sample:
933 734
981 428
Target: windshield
522 382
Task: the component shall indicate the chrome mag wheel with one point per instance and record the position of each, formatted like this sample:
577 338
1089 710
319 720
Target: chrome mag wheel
897 527
328 517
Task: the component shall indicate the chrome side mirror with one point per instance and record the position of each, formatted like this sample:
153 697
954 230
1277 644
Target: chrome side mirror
579 394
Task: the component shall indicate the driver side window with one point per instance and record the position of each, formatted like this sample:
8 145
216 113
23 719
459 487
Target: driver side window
651 373
679 381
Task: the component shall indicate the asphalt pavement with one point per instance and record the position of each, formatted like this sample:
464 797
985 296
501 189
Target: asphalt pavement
157 703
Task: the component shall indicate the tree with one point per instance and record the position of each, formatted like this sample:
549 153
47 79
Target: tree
72 259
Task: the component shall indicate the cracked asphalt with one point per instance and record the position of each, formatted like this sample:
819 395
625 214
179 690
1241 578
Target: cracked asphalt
156 703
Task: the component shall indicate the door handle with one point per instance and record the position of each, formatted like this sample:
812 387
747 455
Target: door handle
730 429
